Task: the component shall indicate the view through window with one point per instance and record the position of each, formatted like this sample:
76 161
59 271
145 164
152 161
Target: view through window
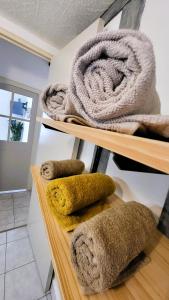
15 114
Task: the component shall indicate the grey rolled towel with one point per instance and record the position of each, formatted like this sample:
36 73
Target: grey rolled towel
52 169
56 105
113 83
54 100
103 248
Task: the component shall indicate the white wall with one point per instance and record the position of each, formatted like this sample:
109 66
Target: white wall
21 66
155 24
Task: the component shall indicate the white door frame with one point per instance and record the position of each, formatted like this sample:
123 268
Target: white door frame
10 85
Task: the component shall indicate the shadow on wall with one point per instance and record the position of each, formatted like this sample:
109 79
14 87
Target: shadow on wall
124 192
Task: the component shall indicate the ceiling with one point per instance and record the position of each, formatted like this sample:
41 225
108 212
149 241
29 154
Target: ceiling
55 21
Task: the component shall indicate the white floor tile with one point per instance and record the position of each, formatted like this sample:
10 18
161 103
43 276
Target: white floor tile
7 226
49 297
20 223
43 298
5 196
20 195
2 238
21 214
1 287
6 204
23 284
2 258
18 254
17 234
21 202
6 217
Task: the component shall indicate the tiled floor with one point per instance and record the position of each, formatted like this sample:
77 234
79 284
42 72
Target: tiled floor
14 210
19 279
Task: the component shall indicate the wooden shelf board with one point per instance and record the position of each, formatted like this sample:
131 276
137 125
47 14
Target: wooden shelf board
150 282
152 153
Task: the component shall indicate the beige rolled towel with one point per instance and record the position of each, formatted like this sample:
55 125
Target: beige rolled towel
113 84
54 99
103 247
55 169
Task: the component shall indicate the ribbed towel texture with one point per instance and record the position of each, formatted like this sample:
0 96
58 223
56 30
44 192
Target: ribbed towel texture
113 85
103 247
52 169
75 199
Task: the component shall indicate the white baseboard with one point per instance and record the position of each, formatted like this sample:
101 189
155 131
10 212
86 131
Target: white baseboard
55 290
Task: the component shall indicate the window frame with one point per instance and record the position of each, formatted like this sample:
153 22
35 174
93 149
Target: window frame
23 91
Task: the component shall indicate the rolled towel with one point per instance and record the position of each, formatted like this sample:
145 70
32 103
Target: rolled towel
103 247
55 169
68 195
113 83
56 105
54 100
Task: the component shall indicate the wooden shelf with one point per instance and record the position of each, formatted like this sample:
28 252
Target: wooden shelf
152 153
150 282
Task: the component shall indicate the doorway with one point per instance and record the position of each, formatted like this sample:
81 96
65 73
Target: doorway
18 109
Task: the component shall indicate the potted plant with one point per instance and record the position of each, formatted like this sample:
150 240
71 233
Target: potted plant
16 129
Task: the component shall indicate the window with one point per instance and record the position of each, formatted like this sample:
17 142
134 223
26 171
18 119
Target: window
15 115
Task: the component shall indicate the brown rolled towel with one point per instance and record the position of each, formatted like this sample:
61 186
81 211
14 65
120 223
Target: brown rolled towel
103 247
55 169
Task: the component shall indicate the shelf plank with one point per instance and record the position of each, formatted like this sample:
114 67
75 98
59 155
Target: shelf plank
150 282
152 153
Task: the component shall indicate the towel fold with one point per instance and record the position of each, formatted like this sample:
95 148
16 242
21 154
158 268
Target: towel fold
68 195
55 169
103 247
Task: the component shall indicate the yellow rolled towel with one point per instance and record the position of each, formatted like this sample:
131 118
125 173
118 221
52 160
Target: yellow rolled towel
68 195
52 169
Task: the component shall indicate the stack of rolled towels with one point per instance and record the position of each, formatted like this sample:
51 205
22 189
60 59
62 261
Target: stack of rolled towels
112 86
107 247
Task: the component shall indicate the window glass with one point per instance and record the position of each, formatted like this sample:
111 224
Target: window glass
5 100
19 130
4 128
21 107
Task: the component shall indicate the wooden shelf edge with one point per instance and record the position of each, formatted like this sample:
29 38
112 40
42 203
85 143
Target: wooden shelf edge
152 153
151 281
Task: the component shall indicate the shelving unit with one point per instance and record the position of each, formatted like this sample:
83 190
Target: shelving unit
152 153
151 281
